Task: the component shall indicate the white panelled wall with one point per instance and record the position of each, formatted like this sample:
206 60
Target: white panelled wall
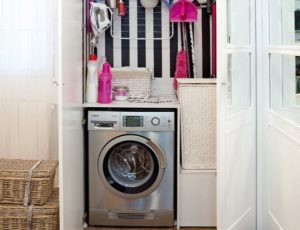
28 117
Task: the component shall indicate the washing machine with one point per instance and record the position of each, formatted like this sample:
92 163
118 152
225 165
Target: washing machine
131 168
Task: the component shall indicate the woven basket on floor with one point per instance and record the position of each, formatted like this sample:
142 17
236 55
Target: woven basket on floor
197 99
15 179
17 217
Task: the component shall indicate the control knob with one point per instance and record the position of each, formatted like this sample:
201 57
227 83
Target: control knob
155 121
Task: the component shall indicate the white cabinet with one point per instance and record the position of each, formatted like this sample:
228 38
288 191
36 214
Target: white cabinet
70 113
234 134
198 198
197 176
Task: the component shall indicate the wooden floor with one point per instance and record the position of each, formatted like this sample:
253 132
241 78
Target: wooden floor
126 228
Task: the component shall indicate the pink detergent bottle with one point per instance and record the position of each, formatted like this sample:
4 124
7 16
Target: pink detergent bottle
104 95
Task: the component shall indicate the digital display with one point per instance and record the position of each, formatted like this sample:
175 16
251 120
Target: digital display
133 121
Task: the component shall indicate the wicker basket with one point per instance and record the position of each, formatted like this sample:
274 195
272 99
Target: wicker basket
197 99
138 81
18 180
17 217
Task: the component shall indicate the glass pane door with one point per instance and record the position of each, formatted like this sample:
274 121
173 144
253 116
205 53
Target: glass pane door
284 22
285 85
238 22
239 82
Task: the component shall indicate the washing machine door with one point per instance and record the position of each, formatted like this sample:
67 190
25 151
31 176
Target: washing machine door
131 166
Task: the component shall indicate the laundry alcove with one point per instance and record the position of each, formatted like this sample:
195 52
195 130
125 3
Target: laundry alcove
242 124
257 142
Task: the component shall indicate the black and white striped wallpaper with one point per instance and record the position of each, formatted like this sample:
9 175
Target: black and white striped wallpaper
160 55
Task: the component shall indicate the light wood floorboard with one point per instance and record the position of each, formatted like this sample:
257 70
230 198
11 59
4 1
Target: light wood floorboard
127 228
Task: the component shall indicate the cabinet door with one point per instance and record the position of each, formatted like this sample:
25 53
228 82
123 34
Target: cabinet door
70 113
236 127
280 145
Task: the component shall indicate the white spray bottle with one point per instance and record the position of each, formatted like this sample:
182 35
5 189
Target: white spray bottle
92 80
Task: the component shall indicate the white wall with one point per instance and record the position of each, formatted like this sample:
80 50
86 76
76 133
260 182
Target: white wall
28 113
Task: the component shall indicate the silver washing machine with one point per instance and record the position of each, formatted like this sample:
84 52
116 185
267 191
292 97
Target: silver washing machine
131 168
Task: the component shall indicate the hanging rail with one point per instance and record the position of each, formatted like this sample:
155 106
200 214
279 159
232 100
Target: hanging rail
125 29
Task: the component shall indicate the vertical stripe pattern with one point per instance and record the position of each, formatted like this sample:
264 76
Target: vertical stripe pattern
173 50
149 42
157 32
117 42
159 55
206 43
165 30
141 28
133 33
108 48
198 45
125 34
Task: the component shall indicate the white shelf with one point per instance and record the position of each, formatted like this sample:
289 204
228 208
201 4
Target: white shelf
172 102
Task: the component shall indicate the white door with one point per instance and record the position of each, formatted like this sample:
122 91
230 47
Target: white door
236 95
280 169
69 63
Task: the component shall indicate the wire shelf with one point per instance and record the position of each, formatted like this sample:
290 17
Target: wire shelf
124 33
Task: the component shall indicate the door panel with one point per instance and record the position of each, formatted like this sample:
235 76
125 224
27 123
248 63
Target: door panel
281 130
238 200
70 113
282 167
236 149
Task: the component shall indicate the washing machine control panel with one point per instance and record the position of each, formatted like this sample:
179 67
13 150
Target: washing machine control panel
147 121
131 121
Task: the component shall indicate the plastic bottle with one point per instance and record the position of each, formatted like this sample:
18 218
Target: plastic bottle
92 80
104 94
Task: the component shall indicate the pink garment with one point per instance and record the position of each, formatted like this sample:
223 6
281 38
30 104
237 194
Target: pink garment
181 67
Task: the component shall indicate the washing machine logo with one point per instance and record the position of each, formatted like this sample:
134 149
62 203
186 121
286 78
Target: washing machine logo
98 115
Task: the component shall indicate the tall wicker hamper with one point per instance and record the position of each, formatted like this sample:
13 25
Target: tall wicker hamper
18 217
34 177
197 98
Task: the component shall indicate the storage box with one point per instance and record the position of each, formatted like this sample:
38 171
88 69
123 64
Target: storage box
197 98
44 217
26 178
138 81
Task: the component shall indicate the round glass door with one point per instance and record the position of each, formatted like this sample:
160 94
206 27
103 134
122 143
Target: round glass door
130 167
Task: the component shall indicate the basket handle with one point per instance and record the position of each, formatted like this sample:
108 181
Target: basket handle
28 182
29 217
